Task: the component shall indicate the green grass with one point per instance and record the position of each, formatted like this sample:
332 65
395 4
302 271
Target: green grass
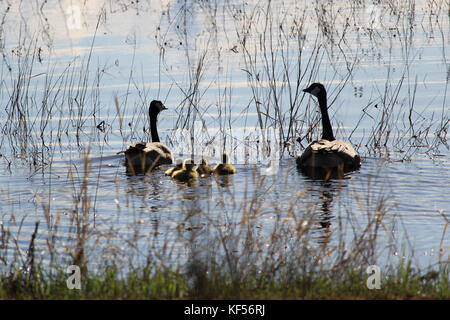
158 284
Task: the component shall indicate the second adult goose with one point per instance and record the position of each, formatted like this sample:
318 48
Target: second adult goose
327 157
141 157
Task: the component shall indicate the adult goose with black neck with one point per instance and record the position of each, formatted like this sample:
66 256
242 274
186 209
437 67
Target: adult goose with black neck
327 157
141 157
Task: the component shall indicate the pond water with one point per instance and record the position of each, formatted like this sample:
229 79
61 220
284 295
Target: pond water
77 79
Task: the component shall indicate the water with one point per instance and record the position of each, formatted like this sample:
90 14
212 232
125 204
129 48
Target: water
385 67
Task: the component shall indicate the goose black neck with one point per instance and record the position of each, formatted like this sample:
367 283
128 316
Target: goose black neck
153 129
327 131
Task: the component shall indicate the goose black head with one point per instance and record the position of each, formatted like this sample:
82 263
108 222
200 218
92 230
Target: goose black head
316 89
156 107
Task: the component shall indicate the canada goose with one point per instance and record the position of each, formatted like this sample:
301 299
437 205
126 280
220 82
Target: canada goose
187 173
178 166
224 168
203 169
327 157
144 156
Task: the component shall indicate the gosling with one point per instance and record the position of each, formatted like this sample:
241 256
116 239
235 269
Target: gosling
204 170
224 168
187 173
178 166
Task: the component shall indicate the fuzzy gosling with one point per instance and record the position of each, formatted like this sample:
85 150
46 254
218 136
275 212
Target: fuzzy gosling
224 168
178 166
204 170
187 173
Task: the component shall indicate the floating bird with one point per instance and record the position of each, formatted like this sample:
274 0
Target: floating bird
187 173
203 169
327 157
178 166
141 157
224 168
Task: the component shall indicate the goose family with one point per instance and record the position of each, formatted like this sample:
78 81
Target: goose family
326 157
144 156
322 158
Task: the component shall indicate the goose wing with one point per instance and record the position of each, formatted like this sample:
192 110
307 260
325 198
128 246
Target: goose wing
148 152
329 154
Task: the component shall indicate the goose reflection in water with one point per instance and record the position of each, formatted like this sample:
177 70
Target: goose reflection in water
323 194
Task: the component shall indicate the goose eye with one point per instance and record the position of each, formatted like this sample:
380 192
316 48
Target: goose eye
315 91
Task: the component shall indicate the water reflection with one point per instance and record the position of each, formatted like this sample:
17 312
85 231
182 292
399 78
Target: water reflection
147 187
326 207
322 195
224 181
